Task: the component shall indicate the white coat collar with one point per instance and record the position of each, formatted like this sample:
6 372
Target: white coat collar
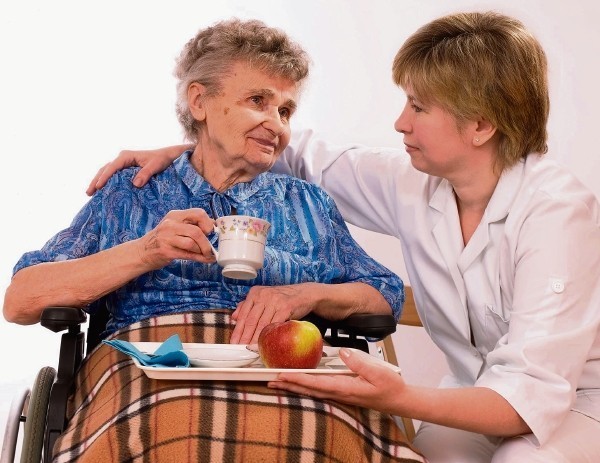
445 228
446 225
450 239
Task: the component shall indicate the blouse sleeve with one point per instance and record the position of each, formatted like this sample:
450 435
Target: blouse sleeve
348 262
80 239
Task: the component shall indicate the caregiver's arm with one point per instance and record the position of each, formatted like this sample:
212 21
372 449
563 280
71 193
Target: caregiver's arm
475 409
368 184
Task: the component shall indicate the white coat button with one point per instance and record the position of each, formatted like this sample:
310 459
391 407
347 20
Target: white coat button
557 285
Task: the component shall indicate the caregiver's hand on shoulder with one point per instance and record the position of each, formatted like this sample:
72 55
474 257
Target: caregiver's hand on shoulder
181 234
150 161
269 304
375 386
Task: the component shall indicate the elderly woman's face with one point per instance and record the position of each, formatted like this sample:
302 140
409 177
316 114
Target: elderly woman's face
248 122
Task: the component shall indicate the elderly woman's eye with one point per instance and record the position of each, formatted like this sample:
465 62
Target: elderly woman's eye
256 99
285 113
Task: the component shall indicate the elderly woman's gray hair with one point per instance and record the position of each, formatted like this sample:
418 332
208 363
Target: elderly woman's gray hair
209 56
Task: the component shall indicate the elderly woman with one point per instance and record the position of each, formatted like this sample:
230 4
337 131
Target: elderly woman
145 251
502 247
145 254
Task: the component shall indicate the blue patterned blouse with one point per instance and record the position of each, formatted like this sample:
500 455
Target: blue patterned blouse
308 241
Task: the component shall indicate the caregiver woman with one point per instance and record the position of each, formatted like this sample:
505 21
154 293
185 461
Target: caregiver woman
502 247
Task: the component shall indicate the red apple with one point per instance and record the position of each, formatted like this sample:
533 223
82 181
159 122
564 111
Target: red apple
290 344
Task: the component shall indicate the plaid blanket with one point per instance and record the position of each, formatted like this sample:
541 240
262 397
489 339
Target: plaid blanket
118 414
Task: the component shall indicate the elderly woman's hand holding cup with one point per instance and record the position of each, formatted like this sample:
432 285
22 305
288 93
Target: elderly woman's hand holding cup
181 234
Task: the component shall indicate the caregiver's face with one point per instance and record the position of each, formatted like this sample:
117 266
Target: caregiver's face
432 138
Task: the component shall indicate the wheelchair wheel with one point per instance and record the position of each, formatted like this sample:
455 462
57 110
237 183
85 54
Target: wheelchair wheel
35 424
13 425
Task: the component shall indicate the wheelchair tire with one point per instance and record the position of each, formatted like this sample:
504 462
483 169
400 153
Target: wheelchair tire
35 423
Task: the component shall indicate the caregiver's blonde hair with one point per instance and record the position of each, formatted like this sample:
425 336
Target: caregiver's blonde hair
482 65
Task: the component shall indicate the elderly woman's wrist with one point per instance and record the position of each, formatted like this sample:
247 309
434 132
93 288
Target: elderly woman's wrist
140 259
333 301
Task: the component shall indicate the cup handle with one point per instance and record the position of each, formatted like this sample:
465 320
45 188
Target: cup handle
215 252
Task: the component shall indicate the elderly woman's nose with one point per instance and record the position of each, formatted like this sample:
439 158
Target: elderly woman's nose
273 123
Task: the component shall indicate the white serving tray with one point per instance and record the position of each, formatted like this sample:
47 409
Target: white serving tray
253 372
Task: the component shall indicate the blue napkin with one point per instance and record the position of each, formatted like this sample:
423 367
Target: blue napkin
169 354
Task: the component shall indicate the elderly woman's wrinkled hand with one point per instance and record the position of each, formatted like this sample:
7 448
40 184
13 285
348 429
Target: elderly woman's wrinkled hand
269 304
181 234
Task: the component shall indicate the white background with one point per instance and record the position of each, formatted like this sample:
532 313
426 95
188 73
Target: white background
82 80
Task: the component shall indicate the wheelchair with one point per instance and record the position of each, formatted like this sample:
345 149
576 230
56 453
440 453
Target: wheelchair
42 409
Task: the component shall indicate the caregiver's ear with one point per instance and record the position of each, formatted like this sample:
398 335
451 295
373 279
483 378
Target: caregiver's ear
483 131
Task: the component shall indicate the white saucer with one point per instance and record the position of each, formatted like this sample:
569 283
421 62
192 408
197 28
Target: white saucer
219 358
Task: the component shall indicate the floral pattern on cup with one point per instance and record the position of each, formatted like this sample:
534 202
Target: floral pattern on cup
250 225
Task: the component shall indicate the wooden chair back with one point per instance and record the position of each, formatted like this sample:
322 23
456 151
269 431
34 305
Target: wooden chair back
409 317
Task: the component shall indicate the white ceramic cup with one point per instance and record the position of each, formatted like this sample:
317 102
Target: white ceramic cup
241 245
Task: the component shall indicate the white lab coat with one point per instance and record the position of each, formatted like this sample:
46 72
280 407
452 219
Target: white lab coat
517 310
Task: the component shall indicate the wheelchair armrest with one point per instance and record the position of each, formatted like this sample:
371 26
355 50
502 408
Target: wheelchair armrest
71 355
61 318
358 325
368 325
